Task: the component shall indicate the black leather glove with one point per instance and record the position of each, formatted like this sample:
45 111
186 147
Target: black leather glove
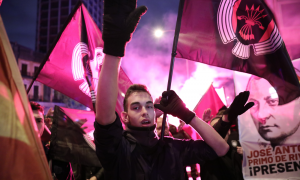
170 103
119 22
238 106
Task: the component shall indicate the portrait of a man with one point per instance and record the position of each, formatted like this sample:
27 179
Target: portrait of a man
277 124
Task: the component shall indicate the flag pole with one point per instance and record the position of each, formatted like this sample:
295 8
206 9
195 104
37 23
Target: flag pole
175 41
85 62
54 44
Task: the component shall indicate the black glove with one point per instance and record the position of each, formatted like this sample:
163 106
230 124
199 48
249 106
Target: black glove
119 22
170 103
238 106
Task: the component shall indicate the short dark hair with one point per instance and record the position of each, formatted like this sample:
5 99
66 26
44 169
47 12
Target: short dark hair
134 88
36 106
219 114
222 110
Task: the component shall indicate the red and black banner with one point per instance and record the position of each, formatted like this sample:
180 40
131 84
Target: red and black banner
240 35
72 66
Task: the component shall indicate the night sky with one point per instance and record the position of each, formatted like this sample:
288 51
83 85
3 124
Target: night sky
147 59
20 17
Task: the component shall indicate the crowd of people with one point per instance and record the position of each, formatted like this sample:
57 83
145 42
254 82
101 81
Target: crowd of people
142 144
137 151
145 146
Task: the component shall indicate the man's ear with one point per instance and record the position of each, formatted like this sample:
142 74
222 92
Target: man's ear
125 117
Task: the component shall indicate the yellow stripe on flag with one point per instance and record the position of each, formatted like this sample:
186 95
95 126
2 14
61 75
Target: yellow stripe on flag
22 154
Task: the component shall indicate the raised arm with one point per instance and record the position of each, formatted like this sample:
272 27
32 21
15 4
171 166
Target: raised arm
210 136
107 92
221 125
119 22
172 104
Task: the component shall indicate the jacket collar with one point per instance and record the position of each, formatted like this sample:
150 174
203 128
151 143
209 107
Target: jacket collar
141 135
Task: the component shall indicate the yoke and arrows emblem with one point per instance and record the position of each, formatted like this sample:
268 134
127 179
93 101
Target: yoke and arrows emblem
249 27
251 19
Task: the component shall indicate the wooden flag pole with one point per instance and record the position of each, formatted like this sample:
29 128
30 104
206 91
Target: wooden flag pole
175 41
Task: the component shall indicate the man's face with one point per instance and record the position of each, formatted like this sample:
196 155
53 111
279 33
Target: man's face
140 110
39 119
273 122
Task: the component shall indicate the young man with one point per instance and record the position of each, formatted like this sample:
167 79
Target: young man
38 113
277 124
137 153
61 170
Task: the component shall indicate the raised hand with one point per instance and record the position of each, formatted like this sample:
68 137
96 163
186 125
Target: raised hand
239 106
207 116
121 18
171 103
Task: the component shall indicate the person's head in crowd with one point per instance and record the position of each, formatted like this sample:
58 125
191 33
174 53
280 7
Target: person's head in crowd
159 127
138 107
274 123
49 118
173 129
218 116
38 113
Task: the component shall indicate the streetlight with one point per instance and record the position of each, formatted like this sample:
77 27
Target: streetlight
158 33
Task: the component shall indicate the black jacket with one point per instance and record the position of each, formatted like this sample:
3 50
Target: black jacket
134 155
228 167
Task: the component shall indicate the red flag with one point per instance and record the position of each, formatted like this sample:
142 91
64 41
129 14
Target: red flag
73 65
238 35
22 154
210 100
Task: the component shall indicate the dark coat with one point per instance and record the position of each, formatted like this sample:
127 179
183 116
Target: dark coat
228 167
124 156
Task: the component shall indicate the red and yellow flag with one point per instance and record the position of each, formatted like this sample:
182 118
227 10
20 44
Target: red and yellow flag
22 154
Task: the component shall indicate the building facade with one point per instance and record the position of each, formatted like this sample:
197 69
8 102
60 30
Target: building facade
53 14
28 62
51 18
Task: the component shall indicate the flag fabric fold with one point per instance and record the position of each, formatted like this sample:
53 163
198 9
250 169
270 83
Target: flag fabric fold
22 153
210 100
240 35
69 139
73 64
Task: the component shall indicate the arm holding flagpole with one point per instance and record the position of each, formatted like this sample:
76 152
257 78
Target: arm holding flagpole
172 104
